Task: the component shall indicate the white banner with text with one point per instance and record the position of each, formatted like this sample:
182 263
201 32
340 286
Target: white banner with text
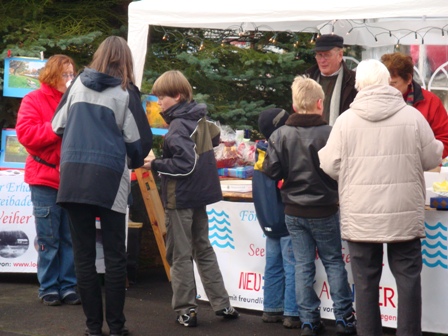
239 244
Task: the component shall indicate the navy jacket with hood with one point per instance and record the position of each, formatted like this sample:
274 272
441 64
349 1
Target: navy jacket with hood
105 133
188 167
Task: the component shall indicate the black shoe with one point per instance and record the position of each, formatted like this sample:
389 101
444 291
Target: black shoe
229 313
188 320
272 317
346 325
72 299
292 322
312 328
89 332
51 300
123 332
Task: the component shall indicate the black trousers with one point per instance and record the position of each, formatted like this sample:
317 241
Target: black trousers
405 263
83 230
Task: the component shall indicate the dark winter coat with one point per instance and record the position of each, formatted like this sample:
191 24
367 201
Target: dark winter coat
105 133
188 167
292 156
267 199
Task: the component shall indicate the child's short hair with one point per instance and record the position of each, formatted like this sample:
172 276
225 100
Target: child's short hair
305 93
171 84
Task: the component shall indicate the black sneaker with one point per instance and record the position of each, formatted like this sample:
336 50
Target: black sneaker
229 313
89 332
312 328
51 300
292 322
272 317
346 325
123 332
188 320
72 299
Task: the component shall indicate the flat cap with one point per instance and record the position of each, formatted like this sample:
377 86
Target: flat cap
328 42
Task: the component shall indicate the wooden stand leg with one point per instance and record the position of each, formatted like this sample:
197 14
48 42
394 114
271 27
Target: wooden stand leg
155 211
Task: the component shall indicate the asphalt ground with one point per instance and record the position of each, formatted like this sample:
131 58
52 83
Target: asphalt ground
147 309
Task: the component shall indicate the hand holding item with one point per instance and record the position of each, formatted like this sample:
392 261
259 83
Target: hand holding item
147 164
148 160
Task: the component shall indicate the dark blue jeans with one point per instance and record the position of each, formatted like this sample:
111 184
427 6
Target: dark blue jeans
55 265
307 234
113 231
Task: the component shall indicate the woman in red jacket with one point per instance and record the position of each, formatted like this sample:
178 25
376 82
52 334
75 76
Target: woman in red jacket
55 265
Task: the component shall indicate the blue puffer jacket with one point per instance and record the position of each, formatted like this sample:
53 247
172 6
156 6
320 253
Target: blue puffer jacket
105 133
267 199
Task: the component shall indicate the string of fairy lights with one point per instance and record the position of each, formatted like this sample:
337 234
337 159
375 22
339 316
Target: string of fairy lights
240 33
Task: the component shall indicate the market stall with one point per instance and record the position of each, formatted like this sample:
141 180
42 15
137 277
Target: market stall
234 230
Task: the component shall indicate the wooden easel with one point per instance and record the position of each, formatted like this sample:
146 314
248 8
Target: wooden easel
155 211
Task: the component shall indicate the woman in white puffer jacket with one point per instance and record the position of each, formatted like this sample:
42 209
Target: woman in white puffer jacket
377 151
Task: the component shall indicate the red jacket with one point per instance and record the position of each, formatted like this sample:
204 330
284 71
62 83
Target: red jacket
34 132
434 112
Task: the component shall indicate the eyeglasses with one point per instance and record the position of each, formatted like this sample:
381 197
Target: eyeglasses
325 56
68 75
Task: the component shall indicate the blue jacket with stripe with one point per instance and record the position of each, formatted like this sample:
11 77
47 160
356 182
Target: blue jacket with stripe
105 133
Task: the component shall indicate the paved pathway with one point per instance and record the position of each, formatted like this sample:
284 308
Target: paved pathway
147 310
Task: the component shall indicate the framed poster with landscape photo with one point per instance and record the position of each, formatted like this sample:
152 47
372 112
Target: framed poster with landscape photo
21 76
12 153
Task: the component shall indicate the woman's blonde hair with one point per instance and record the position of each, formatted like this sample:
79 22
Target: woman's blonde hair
305 93
114 58
171 84
53 69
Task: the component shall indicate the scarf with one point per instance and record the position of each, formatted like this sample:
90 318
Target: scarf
409 97
335 97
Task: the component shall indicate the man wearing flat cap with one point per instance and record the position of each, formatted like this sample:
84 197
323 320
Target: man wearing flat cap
331 72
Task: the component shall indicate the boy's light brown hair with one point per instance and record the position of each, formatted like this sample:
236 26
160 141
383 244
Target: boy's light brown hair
171 84
305 94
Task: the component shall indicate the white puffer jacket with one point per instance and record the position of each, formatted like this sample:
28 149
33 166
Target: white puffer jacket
377 151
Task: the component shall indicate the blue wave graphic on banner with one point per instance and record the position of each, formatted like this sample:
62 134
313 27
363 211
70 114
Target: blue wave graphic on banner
223 246
216 235
216 220
217 228
219 223
219 214
434 247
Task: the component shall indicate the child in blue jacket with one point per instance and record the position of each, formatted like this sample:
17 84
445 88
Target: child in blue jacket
279 303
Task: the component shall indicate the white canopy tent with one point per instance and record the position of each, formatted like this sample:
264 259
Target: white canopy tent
375 23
